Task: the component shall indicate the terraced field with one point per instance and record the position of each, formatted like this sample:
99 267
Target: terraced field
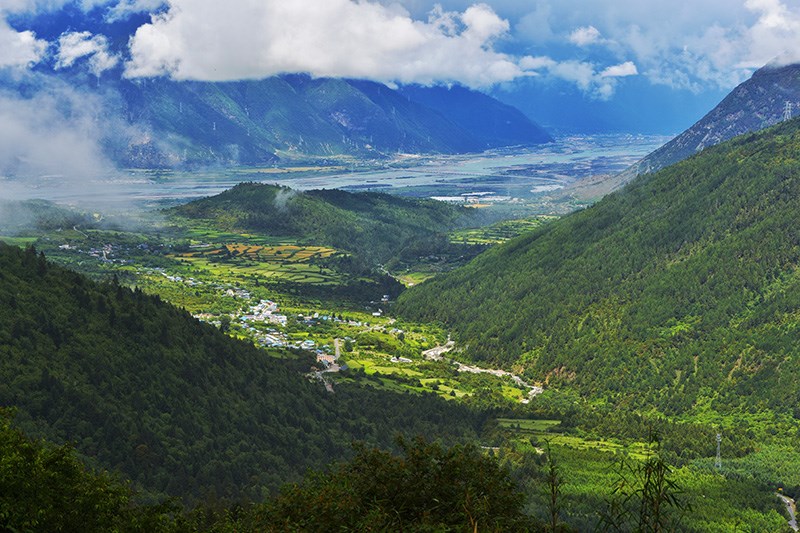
272 263
500 232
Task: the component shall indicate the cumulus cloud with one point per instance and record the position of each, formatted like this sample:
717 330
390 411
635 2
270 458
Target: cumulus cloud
597 83
74 46
585 36
683 44
622 70
212 40
126 8
19 49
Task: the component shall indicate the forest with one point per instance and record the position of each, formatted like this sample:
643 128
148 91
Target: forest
376 227
142 388
678 294
667 309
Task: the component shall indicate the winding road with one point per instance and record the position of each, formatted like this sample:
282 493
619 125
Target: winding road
790 507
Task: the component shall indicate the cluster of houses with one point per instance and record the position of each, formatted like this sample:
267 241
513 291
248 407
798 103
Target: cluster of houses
265 311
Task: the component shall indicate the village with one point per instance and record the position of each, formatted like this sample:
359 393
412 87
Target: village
350 342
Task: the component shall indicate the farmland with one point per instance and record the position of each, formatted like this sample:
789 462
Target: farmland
499 232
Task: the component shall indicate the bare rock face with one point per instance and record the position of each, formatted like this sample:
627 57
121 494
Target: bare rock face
758 103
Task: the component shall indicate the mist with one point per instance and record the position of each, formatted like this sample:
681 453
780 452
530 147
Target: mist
50 131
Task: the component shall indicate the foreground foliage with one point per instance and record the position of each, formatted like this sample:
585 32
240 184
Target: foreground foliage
427 488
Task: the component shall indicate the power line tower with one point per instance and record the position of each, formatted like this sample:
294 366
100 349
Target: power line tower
718 461
787 111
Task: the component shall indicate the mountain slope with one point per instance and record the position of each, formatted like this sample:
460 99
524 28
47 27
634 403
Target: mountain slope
680 290
165 123
754 105
143 388
494 123
377 226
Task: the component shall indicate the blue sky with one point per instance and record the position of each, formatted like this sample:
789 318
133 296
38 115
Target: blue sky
631 65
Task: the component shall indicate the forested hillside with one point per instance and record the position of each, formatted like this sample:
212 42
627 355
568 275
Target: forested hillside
143 388
679 292
376 226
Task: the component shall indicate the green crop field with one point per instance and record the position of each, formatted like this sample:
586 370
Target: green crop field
500 232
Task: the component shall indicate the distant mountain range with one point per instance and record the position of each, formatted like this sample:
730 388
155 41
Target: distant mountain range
164 123
756 104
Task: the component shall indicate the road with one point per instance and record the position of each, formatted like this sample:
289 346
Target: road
790 507
435 354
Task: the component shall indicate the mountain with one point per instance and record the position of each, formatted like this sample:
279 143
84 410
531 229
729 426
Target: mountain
142 388
756 104
494 123
161 123
376 226
679 292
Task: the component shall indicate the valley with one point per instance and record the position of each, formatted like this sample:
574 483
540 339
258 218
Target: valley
524 173
326 305
401 266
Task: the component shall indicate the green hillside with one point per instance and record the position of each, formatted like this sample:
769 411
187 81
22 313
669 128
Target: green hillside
375 226
681 292
143 388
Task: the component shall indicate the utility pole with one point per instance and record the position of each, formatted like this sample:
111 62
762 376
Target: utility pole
787 111
718 461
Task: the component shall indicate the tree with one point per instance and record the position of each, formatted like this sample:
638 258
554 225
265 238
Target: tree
645 498
427 487
554 482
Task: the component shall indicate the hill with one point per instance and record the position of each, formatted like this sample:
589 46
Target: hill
756 104
144 389
678 293
375 226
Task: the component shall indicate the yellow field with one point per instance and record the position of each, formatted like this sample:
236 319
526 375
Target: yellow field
266 254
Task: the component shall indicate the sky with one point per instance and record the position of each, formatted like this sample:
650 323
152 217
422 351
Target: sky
604 64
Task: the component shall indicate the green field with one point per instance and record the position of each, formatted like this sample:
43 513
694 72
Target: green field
18 241
499 232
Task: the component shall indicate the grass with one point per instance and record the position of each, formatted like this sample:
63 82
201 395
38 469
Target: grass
18 241
500 232
528 425
409 279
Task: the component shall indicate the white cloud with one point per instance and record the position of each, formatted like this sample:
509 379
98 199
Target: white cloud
682 43
585 36
19 49
599 84
622 70
40 6
74 46
536 63
55 131
125 8
212 40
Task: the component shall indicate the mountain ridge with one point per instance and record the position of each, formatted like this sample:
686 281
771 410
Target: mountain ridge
161 123
755 104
